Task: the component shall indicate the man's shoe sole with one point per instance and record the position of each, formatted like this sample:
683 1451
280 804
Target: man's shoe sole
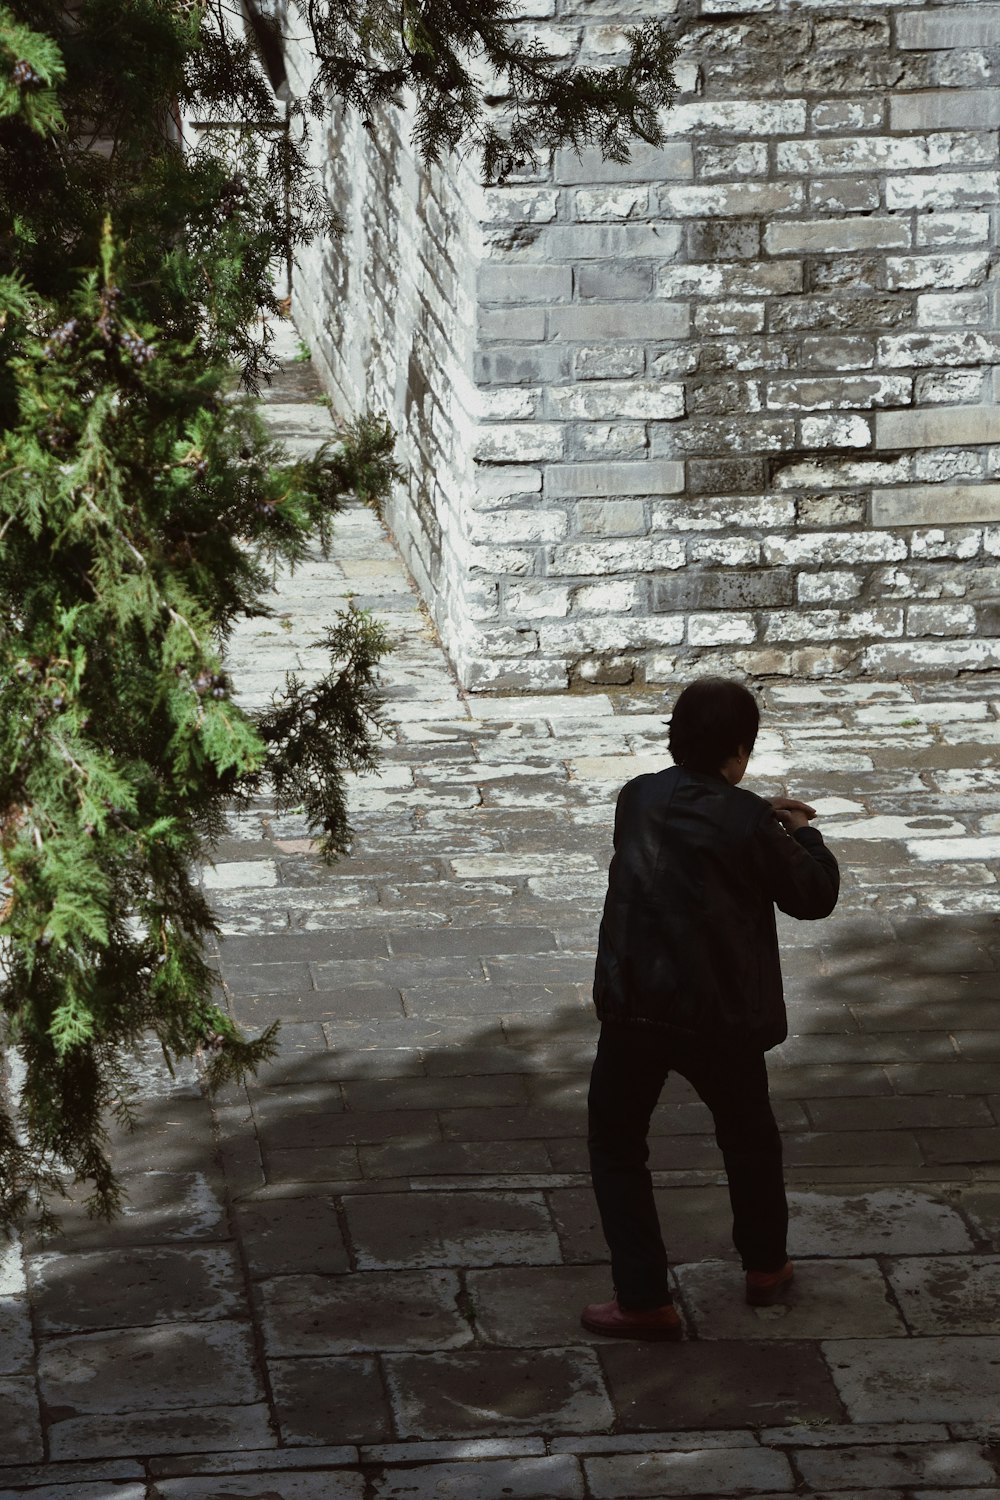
767 1296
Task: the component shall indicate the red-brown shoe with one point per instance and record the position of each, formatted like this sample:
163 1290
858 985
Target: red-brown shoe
624 1323
765 1287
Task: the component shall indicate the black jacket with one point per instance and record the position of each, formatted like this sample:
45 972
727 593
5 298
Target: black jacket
688 938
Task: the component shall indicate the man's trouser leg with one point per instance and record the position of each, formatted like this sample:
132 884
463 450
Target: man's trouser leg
627 1077
734 1086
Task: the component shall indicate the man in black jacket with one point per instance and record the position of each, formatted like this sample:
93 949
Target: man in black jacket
688 979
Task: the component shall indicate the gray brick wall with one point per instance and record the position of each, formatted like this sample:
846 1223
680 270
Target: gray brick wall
731 403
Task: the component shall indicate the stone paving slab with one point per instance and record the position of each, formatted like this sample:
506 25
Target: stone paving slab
386 1238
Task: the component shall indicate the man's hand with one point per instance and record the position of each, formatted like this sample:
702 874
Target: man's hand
792 813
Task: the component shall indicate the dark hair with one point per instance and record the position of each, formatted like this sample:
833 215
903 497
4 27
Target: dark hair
712 718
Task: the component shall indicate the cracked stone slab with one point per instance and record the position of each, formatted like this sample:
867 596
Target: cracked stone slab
122 1288
945 1464
20 1429
879 1221
170 1365
335 1484
369 1310
178 1430
949 1293
482 1392
316 1399
450 1229
917 1380
525 1306
828 1299
554 1478
728 1383
717 1472
294 1236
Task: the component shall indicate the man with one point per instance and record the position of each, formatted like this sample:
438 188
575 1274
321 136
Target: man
688 979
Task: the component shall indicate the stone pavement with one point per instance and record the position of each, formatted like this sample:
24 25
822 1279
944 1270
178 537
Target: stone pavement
360 1277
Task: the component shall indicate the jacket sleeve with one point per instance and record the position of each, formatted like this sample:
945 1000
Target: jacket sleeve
802 875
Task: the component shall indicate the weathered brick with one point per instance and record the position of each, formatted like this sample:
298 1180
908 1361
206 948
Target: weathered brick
938 427
838 195
611 517
832 624
714 514
607 440
943 190
615 596
755 435
837 394
720 476
731 198
950 386
637 555
717 318
601 204
843 114
828 587
515 526
619 399
521 284
739 117
833 352
936 271
723 242
938 349
870 153
943 109
697 590
834 548
835 432
608 361
575 242
646 164
936 229
618 320
524 442
824 235
721 630
762 279
748 159
952 26
520 365
955 309
925 504
941 619
610 281
530 600
576 481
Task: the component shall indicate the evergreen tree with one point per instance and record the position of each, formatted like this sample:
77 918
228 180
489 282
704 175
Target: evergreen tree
143 508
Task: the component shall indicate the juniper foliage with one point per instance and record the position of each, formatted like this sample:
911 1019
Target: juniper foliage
143 508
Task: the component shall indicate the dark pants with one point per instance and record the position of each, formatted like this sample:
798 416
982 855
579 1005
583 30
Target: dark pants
629 1071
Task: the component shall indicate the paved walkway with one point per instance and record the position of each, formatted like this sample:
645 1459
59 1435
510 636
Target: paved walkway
361 1277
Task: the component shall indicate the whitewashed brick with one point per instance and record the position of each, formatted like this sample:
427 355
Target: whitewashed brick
870 153
603 440
842 473
573 242
726 552
834 548
839 393
638 555
824 236
520 205
739 117
496 483
962 386
847 114
611 203
942 190
536 601
936 271
716 514
721 629
619 596
646 164
944 309
725 199
610 634
831 624
952 229
608 361
936 465
957 542
940 619
828 587
592 402
513 526
835 432
519 441
938 349
748 159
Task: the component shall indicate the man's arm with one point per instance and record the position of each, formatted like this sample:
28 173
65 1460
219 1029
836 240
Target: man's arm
802 875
